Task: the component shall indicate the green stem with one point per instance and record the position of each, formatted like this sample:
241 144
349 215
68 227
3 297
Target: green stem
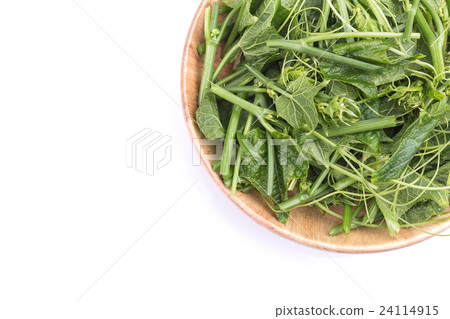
260 100
410 21
249 89
215 16
358 209
379 15
237 164
224 61
220 37
323 174
211 21
441 32
228 21
355 221
236 100
228 143
302 198
226 31
270 163
323 20
345 172
343 35
234 31
435 16
288 18
342 7
343 183
230 135
436 53
207 70
231 76
347 220
358 127
266 81
371 213
338 229
302 47
242 80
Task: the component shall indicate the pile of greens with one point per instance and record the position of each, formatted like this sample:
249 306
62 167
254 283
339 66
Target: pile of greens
332 102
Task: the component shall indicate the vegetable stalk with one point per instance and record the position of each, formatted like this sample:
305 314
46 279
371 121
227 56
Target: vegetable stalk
302 47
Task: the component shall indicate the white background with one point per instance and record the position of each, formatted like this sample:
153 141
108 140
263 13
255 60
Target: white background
84 236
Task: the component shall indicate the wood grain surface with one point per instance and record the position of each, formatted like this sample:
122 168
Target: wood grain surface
307 225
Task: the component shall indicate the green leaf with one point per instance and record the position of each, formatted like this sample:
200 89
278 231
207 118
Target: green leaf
288 4
421 212
339 88
225 110
255 5
362 45
394 9
361 80
254 167
410 142
283 217
394 204
207 116
319 151
248 19
370 50
253 41
440 175
282 12
280 16
367 82
299 109
363 21
266 10
293 164
370 138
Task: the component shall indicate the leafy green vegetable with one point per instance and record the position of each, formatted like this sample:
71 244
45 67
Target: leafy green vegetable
208 119
364 20
371 50
332 102
247 19
253 41
410 142
299 109
400 199
422 211
255 168
372 138
293 165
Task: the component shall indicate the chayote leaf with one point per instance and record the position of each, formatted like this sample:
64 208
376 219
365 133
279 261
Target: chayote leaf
421 212
253 41
254 167
207 118
247 19
299 109
410 142
400 199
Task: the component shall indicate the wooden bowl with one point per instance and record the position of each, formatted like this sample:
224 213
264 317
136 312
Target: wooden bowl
307 225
